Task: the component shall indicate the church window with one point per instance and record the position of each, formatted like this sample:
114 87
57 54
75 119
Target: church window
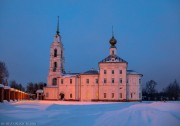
87 81
120 95
55 52
112 95
104 71
120 80
54 81
112 80
62 81
70 81
96 81
112 52
104 80
131 95
104 95
55 66
120 71
112 71
70 95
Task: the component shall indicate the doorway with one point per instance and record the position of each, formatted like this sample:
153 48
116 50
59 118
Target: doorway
61 96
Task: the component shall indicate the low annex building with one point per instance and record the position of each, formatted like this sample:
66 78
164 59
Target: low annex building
112 82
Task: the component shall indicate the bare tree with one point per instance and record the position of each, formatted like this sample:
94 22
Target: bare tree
3 72
30 88
173 90
33 87
150 90
15 85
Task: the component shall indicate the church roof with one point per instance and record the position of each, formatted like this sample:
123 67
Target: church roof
92 71
39 91
70 74
113 58
133 72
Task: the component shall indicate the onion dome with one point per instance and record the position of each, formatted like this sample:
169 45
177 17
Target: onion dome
113 41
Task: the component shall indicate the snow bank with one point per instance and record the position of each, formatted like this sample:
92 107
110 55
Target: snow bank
6 87
153 114
64 113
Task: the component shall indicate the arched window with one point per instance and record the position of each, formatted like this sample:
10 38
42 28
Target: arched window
55 66
55 52
54 81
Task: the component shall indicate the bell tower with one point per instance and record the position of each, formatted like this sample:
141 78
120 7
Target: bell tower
56 68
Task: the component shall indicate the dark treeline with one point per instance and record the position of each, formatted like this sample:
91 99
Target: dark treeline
15 85
33 87
170 92
30 88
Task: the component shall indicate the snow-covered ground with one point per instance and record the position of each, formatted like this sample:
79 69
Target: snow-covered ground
58 113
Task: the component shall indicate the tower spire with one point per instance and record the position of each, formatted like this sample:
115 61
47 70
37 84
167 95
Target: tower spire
57 27
113 41
112 31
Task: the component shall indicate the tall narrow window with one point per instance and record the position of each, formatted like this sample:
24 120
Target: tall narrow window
47 94
112 95
120 80
120 95
112 71
131 95
62 81
96 81
54 66
54 81
112 52
112 80
55 52
104 71
70 81
70 95
120 71
104 95
87 81
104 80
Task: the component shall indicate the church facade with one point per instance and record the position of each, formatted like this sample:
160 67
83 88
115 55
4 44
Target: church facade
112 82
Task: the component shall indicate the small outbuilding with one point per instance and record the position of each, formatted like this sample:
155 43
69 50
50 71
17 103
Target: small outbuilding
40 95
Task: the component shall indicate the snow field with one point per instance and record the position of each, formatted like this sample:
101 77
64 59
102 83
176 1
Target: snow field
58 113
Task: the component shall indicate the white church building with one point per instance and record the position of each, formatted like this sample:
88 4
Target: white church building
111 82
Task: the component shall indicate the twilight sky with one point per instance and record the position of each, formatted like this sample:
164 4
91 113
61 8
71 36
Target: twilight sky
147 31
